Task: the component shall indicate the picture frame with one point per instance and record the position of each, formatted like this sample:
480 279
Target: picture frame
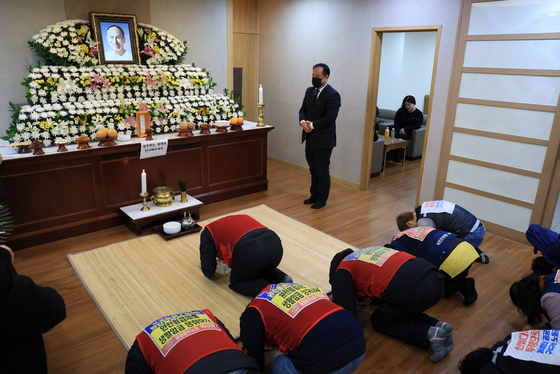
116 37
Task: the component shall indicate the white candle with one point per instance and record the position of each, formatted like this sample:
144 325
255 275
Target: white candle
144 186
260 94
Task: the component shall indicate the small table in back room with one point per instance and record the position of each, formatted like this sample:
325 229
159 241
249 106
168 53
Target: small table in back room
393 143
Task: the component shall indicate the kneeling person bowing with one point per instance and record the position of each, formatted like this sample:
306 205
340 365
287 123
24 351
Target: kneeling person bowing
251 250
314 334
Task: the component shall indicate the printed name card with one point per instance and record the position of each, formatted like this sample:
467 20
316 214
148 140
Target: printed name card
153 148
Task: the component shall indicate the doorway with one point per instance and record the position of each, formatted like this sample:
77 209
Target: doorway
374 85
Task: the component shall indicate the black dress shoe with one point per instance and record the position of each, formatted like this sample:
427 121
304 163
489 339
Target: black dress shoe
309 201
318 205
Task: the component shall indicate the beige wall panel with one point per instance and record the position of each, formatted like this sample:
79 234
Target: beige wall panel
204 25
28 18
79 9
292 37
499 212
245 55
246 16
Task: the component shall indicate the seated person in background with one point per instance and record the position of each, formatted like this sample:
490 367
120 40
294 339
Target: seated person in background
546 241
249 249
522 352
314 334
407 119
27 311
407 286
191 343
451 255
450 217
537 294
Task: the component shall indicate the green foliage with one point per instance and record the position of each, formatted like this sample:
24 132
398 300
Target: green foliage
12 129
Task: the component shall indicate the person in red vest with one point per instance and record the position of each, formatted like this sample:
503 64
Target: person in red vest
406 285
193 342
314 334
249 249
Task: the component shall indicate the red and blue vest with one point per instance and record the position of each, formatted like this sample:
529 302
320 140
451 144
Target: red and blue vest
289 311
228 230
174 343
372 269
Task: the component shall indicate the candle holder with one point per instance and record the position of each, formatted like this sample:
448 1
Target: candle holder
145 203
261 115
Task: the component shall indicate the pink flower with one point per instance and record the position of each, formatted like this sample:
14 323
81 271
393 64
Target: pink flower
106 84
151 82
80 38
144 106
160 119
147 31
93 86
148 51
130 121
92 51
97 78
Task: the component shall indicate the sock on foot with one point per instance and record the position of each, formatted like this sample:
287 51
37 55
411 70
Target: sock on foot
287 279
436 336
448 343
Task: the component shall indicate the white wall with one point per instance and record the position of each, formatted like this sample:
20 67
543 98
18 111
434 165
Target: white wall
201 23
293 35
407 62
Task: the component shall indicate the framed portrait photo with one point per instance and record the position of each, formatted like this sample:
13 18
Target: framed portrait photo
117 38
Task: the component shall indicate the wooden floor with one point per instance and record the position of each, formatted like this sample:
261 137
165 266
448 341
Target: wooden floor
84 343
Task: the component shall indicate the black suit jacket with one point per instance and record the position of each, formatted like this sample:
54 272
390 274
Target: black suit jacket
323 115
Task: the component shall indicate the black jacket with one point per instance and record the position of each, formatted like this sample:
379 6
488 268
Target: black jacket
28 311
323 115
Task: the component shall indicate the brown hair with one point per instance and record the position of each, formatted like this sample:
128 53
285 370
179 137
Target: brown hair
403 218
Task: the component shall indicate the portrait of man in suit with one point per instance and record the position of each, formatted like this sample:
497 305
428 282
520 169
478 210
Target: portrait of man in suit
317 117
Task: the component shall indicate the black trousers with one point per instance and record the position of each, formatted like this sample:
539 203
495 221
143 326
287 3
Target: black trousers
319 161
254 263
405 319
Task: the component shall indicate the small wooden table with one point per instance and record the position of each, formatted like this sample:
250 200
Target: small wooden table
135 218
393 143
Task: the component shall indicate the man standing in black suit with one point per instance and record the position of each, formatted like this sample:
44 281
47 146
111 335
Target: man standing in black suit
317 117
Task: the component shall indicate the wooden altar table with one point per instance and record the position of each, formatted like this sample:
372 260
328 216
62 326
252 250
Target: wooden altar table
58 195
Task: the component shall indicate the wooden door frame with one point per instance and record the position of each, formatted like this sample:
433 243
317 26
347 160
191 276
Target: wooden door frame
549 177
373 86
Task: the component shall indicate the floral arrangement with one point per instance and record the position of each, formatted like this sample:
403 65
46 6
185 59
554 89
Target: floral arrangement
74 97
53 123
70 43
52 84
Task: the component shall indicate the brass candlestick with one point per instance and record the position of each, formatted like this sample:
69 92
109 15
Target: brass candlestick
145 203
261 115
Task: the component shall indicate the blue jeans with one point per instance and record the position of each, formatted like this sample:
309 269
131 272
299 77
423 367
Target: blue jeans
283 365
475 238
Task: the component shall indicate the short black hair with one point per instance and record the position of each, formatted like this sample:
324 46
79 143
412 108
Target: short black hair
118 27
326 70
541 266
474 361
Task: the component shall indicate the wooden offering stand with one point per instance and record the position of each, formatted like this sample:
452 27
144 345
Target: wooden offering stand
23 149
37 149
149 134
185 133
62 147
222 129
204 128
83 144
107 142
236 127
